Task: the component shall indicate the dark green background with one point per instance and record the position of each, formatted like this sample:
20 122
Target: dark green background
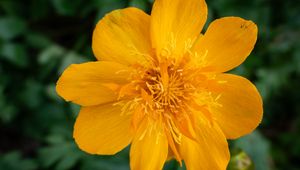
39 38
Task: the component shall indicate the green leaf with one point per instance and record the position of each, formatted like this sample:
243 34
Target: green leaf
75 109
15 53
51 93
11 27
106 6
8 111
116 162
71 58
141 4
37 40
297 59
49 59
257 147
10 7
31 95
49 54
69 160
173 165
50 155
39 9
63 155
67 7
14 161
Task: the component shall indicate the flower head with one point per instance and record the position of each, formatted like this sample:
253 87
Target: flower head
160 85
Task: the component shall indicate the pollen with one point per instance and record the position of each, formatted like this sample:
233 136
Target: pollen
168 91
167 88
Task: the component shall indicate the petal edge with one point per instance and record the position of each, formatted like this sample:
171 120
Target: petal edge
226 44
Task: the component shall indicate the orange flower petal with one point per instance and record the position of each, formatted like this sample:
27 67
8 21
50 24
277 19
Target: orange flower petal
88 84
241 106
102 129
209 151
175 24
226 44
149 149
123 36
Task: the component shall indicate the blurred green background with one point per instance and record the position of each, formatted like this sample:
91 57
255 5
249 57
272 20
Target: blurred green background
39 38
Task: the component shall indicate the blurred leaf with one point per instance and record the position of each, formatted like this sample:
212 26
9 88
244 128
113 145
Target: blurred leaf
106 6
173 165
255 10
51 93
51 53
297 59
50 155
284 41
8 113
31 96
7 110
141 4
104 165
257 147
14 161
70 58
68 161
271 79
11 27
37 40
45 119
67 7
56 139
65 130
75 109
10 7
15 53
62 153
49 59
119 161
39 9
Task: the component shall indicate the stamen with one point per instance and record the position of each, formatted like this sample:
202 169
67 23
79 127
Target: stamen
167 92
174 131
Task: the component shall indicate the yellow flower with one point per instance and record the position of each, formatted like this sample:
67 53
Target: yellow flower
160 85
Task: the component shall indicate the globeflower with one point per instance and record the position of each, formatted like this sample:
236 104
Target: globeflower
159 85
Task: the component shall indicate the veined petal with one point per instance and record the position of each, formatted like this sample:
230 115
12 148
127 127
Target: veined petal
175 24
91 83
209 151
149 149
102 129
226 44
123 36
240 109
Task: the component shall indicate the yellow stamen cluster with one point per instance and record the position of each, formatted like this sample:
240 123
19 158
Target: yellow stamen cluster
167 89
169 92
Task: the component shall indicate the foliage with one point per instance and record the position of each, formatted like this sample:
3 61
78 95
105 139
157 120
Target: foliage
38 39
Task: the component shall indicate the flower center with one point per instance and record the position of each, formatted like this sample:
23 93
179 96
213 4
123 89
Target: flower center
174 94
167 88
